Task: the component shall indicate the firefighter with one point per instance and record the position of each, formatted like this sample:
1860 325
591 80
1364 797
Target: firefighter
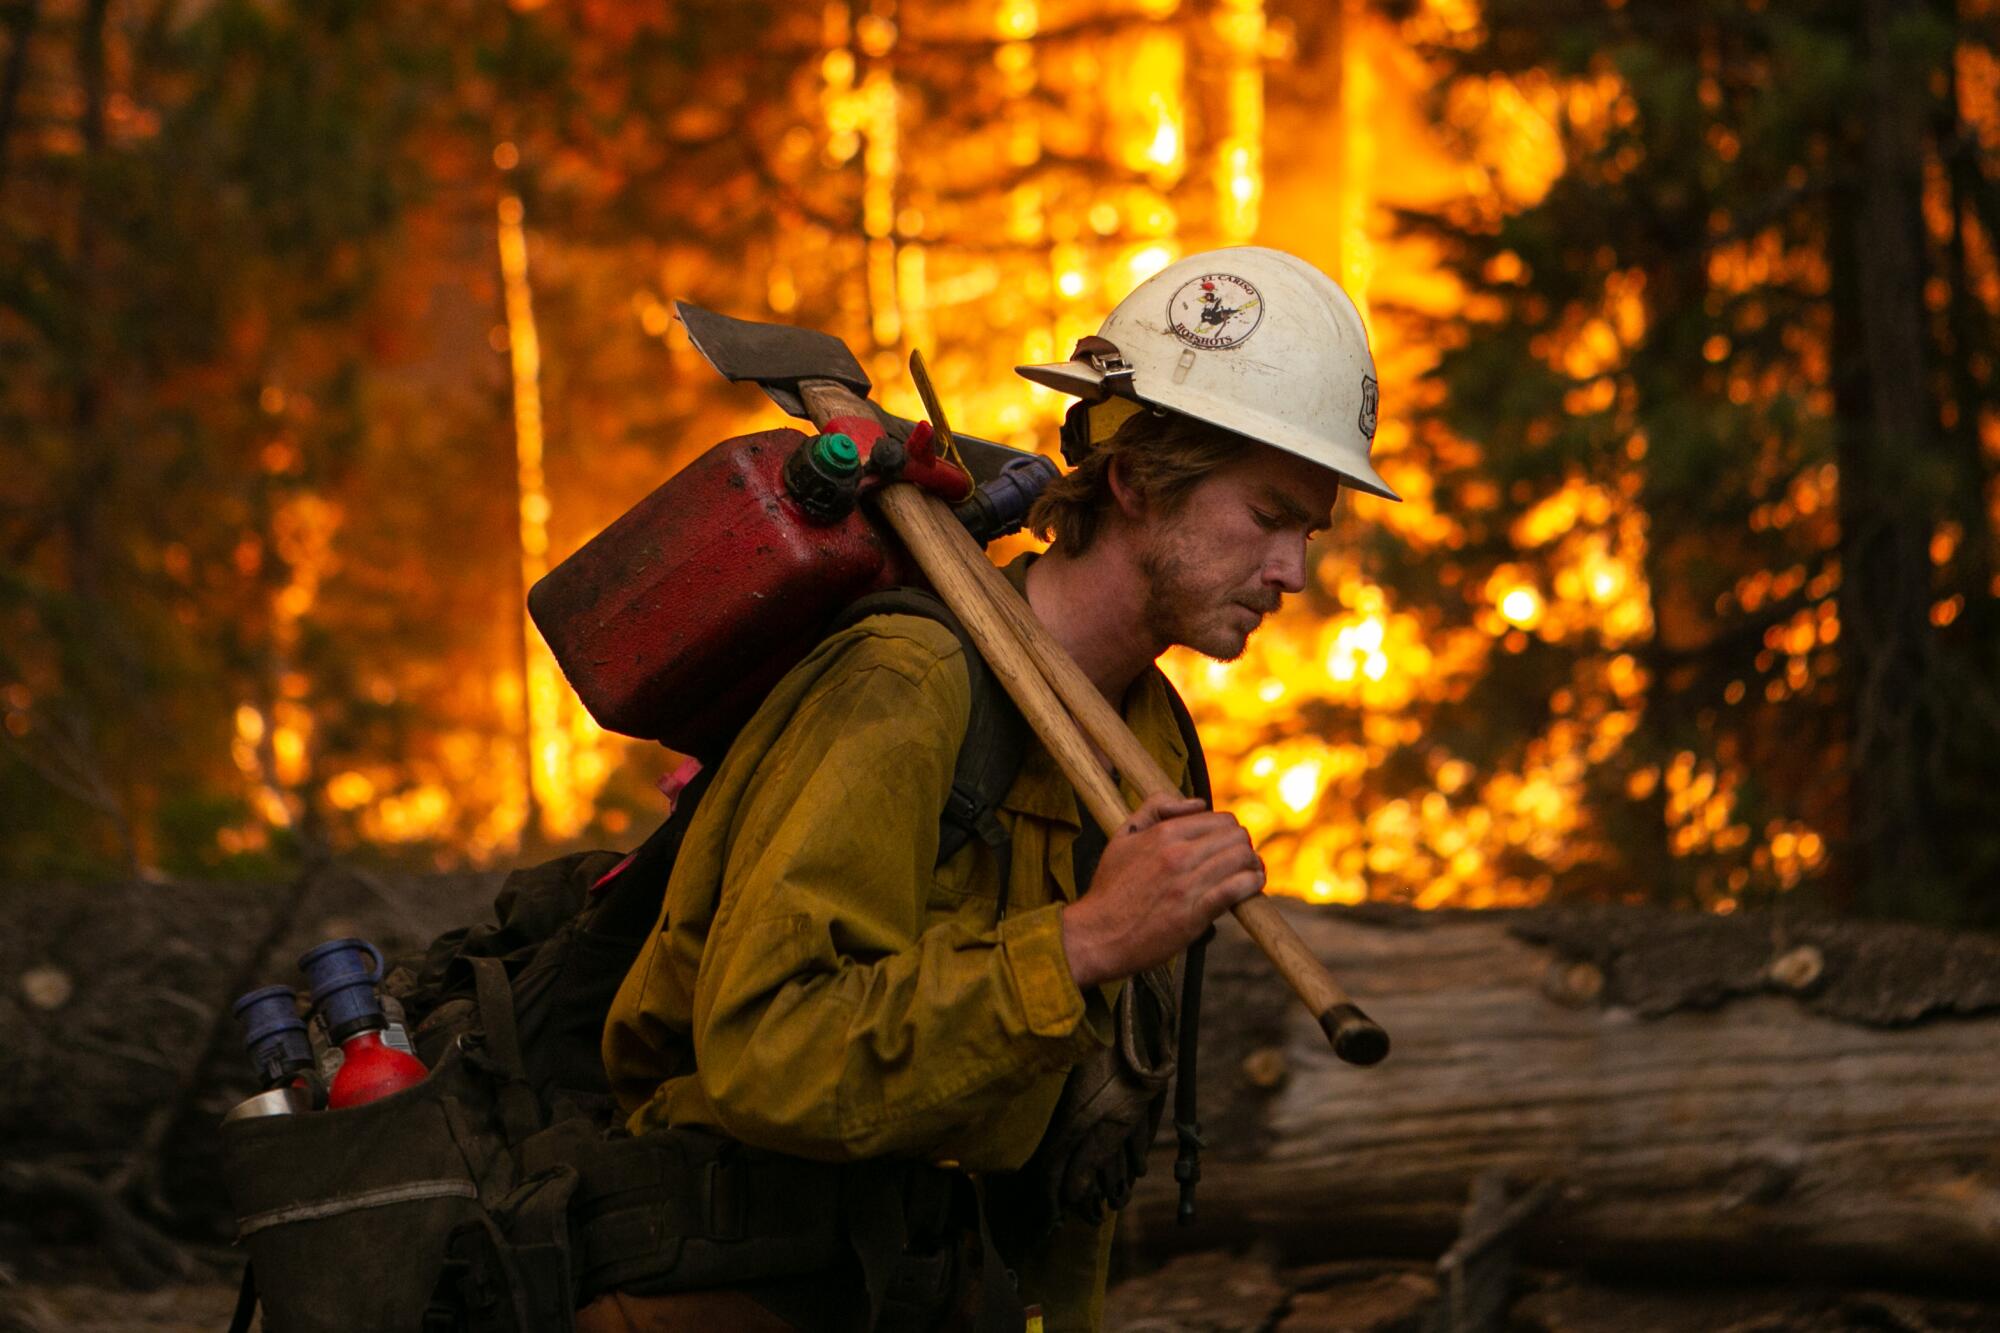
821 990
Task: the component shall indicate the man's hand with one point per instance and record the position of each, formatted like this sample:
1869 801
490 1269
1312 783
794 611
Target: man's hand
1169 870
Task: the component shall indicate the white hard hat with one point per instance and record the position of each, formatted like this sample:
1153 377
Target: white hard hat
1253 340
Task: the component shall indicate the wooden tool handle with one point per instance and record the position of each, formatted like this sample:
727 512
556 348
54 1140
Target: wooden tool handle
1057 699
913 515
1006 631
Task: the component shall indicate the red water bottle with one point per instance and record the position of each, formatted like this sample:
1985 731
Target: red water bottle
343 975
371 1068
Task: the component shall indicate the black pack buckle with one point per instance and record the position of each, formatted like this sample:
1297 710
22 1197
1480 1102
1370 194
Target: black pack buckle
962 808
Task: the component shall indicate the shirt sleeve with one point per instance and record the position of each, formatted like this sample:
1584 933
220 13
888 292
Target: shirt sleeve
828 1021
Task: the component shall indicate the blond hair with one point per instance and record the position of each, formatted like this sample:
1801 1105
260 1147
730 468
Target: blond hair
1165 454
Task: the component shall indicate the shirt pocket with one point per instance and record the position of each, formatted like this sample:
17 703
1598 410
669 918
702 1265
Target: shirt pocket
967 886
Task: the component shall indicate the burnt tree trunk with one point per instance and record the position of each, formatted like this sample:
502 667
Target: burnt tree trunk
1731 1094
1892 482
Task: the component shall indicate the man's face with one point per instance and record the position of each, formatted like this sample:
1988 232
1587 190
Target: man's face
1219 564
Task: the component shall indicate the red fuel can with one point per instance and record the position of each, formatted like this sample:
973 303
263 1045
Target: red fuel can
674 622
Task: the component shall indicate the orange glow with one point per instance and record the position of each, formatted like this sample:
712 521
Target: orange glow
1176 110
1790 851
1479 697
1944 542
1521 606
1325 826
1146 106
984 271
568 755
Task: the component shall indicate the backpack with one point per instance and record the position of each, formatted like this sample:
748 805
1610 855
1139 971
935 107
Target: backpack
501 1193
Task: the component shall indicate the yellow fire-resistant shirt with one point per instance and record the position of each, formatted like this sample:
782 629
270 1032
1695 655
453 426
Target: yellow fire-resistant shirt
818 986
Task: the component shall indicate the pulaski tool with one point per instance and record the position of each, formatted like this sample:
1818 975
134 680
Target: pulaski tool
813 375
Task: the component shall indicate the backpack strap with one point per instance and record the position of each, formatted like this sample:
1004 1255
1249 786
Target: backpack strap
520 1114
1187 1124
996 736
246 1301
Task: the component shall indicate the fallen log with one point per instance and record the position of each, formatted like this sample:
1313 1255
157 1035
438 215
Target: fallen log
1727 1095
1218 1293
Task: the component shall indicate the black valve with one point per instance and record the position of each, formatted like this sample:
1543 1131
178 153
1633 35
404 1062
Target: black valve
823 475
999 507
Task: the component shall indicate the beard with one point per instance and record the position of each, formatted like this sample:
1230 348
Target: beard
1184 609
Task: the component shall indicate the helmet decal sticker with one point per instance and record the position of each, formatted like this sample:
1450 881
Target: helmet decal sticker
1215 312
1370 400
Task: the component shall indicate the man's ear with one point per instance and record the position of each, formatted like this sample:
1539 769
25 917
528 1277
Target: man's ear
1131 501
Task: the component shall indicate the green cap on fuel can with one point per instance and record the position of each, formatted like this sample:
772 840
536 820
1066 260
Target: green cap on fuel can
837 454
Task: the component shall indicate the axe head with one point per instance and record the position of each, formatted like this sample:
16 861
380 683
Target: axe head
775 357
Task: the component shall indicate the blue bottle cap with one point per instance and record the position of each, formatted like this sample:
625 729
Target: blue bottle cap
274 1034
343 974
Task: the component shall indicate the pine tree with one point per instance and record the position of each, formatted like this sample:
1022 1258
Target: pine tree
1757 311
195 212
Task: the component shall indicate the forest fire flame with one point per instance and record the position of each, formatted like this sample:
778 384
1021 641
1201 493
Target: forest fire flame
333 331
1117 153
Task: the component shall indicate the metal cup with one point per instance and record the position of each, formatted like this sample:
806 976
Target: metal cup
278 1101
